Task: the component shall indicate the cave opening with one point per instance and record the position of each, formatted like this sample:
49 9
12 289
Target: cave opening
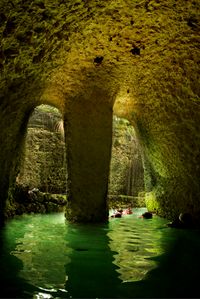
44 166
44 162
126 180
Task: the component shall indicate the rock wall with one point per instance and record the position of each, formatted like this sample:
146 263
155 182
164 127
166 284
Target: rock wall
25 201
141 55
44 166
126 168
44 163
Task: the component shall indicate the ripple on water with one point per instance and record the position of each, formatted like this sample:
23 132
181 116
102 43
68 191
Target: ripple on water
52 253
135 240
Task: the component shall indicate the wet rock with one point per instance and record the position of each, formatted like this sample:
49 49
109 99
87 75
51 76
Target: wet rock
33 201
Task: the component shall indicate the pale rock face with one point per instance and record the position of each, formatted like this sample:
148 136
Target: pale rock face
88 58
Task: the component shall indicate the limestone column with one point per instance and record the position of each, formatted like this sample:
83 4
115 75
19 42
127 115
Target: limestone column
88 129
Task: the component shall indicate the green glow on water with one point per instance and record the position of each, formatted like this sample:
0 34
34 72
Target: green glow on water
43 256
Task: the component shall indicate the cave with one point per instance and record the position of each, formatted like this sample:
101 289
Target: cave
126 177
44 163
135 59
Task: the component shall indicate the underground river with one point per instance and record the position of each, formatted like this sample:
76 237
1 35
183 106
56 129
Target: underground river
43 256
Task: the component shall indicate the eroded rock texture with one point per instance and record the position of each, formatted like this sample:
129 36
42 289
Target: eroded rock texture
84 56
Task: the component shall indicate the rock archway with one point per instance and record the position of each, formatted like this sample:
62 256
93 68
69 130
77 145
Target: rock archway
82 57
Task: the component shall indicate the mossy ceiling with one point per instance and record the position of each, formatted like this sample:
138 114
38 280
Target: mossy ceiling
140 42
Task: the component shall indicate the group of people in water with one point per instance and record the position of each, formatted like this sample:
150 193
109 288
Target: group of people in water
120 212
183 221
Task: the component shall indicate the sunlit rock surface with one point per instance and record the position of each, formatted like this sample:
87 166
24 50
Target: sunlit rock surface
86 56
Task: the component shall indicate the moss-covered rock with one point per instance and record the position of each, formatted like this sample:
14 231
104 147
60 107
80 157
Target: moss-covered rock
25 201
44 164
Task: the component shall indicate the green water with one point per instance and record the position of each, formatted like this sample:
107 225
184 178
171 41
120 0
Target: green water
43 256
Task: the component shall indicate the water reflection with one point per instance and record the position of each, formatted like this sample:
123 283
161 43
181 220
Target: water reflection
177 273
135 240
42 256
11 285
44 253
91 271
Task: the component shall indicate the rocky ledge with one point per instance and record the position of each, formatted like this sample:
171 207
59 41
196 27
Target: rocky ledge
28 201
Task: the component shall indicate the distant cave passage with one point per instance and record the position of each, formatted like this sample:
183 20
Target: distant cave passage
126 168
44 165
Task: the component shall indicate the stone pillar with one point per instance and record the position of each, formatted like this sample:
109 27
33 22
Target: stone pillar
88 129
